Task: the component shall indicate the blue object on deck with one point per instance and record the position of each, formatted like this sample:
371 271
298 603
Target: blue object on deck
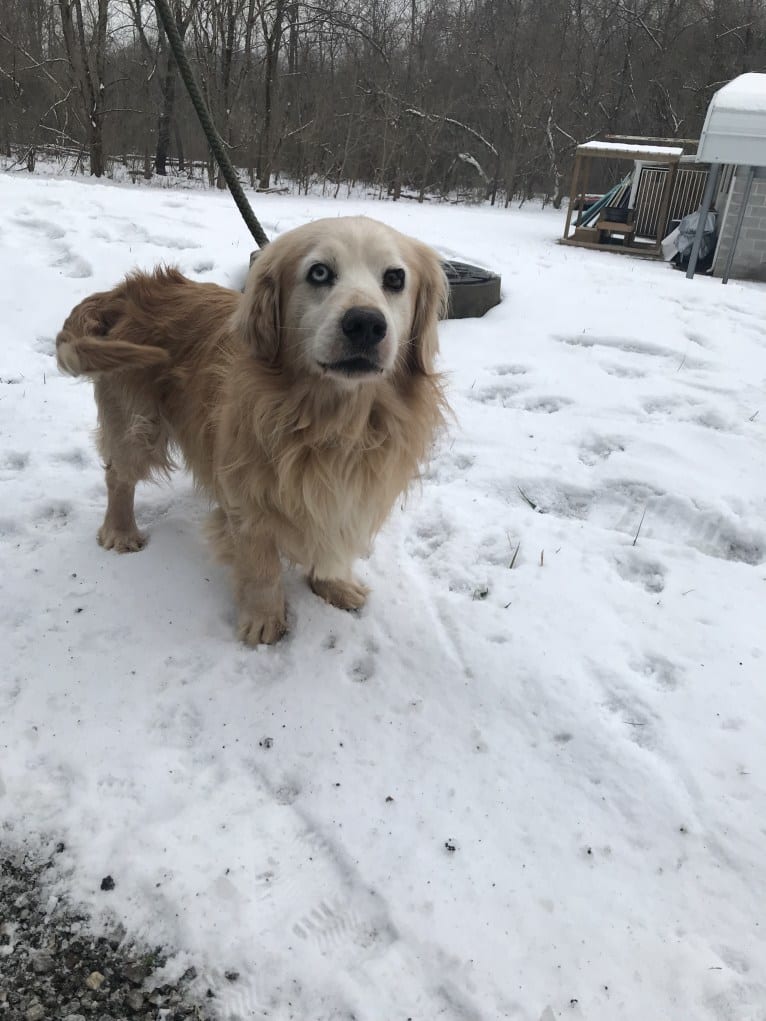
606 200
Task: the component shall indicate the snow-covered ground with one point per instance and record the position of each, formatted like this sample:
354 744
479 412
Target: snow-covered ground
523 792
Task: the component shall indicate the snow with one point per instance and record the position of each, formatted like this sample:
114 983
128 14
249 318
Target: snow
743 94
631 151
524 793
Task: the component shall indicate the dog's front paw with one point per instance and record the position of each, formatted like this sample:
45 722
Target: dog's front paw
346 595
121 542
261 628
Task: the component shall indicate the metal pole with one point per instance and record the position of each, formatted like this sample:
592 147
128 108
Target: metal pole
738 225
711 184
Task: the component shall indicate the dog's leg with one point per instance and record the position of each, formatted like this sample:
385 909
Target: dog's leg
133 441
338 587
254 557
119 530
257 579
260 596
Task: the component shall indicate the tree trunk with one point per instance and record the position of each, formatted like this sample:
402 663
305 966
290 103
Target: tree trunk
273 38
264 159
179 146
167 116
165 119
96 146
87 60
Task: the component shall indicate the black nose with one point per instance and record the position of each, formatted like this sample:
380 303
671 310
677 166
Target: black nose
364 327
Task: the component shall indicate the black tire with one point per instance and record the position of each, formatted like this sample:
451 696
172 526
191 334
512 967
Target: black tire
472 290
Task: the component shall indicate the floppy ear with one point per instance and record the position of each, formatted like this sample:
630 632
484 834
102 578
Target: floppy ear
257 318
430 307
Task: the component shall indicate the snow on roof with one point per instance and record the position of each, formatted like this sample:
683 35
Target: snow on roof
745 94
735 125
630 151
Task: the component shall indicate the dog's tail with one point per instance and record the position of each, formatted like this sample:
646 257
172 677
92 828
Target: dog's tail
80 356
84 345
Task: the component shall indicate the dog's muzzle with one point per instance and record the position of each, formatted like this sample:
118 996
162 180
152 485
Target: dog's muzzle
363 330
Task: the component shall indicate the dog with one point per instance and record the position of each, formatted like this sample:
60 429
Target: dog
303 407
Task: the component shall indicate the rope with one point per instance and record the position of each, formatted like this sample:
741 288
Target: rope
222 157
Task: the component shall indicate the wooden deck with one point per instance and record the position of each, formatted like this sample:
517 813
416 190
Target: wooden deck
637 251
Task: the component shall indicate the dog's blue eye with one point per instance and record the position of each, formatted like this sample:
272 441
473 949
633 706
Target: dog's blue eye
320 274
393 279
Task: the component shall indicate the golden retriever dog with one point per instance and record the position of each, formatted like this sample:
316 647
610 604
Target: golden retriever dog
303 407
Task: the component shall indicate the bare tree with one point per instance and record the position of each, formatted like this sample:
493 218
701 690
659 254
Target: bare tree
85 44
161 64
479 98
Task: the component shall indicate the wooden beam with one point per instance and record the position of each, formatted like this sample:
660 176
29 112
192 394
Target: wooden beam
594 246
616 151
573 193
651 140
584 189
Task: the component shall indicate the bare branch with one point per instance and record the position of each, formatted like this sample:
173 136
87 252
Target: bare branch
737 28
640 21
456 123
36 64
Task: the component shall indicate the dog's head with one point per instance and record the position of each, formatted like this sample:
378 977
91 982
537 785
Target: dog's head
347 299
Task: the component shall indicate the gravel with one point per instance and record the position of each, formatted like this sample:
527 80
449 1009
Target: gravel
54 968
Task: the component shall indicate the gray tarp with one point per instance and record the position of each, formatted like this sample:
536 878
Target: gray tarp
679 242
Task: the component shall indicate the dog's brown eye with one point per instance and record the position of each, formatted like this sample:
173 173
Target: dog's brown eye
320 274
393 279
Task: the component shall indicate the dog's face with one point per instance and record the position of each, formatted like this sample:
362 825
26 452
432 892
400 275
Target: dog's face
347 299
352 299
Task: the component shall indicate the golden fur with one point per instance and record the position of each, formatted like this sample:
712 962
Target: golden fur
304 459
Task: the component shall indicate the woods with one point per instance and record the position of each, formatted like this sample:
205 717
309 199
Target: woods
483 99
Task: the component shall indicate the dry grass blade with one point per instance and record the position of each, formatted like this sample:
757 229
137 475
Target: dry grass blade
513 558
638 530
527 499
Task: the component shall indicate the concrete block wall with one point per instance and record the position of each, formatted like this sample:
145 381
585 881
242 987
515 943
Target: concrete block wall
750 257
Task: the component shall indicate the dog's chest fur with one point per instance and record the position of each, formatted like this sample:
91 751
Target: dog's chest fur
320 471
